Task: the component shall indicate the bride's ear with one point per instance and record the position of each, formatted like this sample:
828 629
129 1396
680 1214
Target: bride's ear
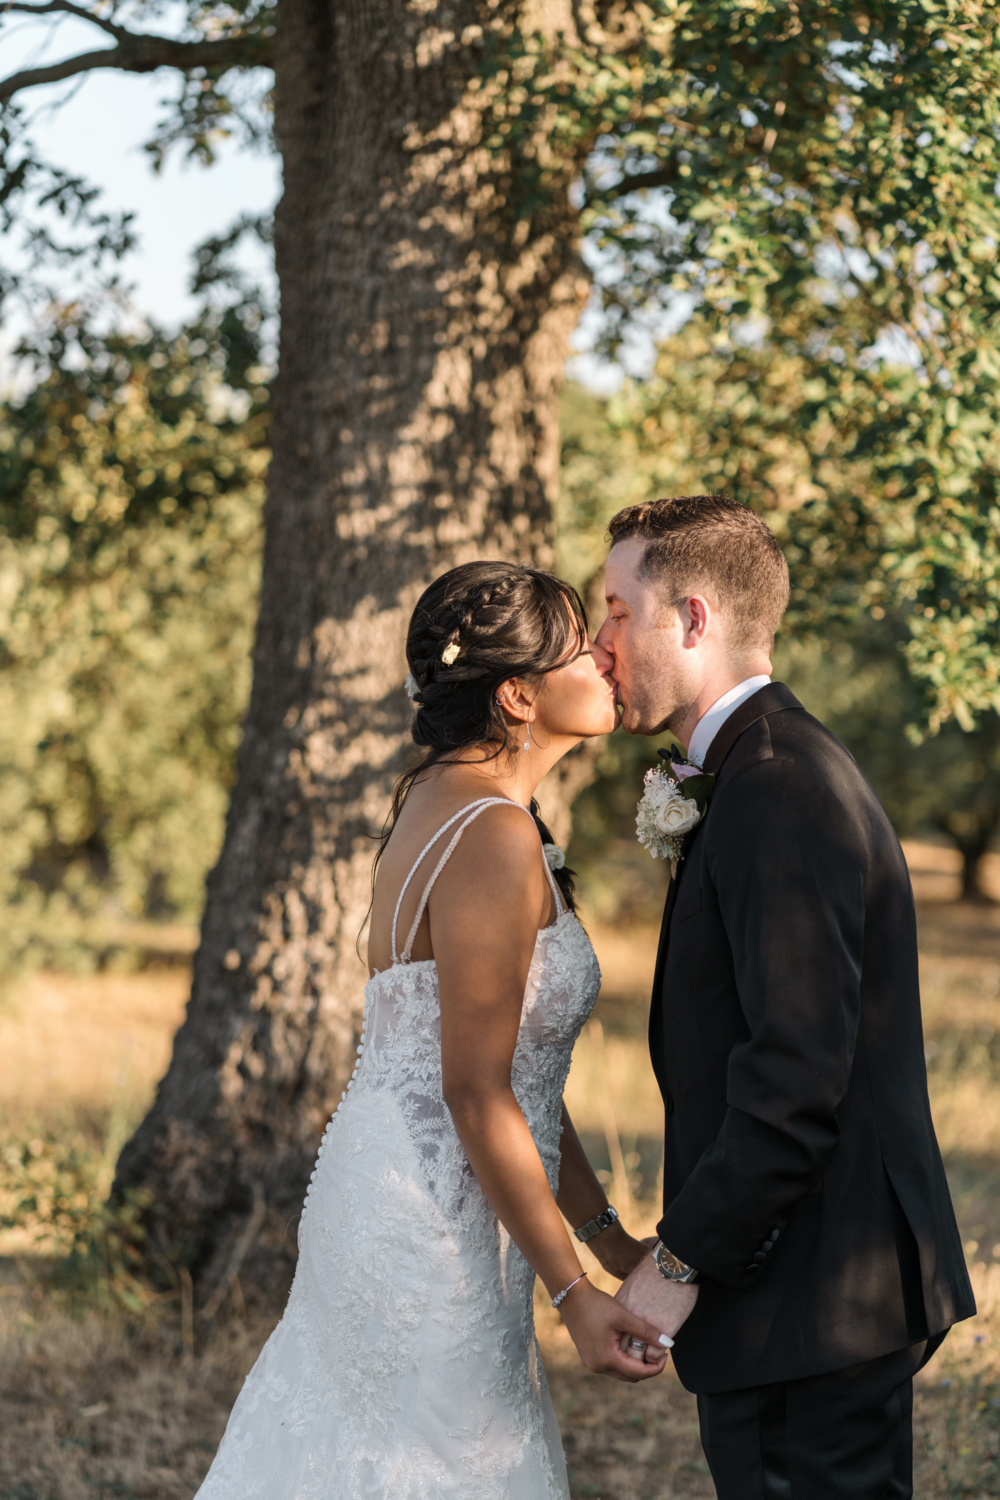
515 697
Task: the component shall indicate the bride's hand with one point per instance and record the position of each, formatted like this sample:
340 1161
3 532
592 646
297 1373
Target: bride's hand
596 1323
617 1251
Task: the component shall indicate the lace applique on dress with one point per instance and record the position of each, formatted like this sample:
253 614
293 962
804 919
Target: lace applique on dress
405 1366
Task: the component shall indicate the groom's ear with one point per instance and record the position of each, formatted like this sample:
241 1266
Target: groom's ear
696 614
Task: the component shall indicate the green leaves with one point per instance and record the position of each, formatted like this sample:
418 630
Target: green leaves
131 491
698 789
822 179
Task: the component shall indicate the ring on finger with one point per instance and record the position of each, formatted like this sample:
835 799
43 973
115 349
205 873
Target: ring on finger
637 1346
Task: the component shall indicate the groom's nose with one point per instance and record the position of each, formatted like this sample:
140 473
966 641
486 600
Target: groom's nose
603 658
602 644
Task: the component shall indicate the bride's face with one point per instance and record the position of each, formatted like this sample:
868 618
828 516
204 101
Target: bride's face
577 700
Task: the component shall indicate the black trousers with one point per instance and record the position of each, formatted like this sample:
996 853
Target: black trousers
847 1435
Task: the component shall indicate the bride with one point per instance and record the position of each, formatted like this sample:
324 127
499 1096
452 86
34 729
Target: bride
405 1366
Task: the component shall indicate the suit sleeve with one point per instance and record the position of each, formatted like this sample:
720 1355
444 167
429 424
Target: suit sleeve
788 864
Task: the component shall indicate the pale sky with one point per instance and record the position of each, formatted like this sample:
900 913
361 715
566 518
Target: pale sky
99 134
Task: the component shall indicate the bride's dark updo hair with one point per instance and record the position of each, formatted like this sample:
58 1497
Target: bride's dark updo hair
472 630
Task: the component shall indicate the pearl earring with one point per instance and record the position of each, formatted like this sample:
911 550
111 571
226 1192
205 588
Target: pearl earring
527 743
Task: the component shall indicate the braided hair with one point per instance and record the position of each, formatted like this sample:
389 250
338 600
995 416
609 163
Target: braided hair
474 628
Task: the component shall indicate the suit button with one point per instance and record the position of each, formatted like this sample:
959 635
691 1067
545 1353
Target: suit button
768 1245
670 1104
759 1258
753 1268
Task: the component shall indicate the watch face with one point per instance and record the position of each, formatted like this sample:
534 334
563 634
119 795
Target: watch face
668 1262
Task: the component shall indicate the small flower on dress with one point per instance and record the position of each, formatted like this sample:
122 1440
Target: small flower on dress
450 654
412 687
554 856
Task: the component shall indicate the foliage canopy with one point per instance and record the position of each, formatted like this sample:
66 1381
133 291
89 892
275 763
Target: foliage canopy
822 176
818 181
827 179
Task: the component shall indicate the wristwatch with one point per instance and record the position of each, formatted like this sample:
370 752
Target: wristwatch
595 1226
670 1267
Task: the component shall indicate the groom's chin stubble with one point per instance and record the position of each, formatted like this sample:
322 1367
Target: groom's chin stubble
634 721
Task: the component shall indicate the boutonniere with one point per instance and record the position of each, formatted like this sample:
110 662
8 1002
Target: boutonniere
672 804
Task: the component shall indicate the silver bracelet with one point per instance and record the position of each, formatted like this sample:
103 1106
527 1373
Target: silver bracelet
560 1297
595 1226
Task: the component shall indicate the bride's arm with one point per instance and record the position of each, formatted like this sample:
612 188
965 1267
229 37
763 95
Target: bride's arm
581 1198
484 915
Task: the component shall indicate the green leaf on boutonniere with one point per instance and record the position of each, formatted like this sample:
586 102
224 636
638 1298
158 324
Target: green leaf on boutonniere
699 788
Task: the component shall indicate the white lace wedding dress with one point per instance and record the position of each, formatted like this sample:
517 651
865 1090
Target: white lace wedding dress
405 1366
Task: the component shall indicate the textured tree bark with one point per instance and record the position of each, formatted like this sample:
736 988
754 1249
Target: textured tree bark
424 328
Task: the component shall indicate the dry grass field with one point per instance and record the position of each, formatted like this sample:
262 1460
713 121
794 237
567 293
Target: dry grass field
96 1403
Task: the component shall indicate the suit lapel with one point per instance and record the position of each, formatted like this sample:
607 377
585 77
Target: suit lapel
668 909
774 698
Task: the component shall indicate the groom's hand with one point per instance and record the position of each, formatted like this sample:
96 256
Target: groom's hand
647 1294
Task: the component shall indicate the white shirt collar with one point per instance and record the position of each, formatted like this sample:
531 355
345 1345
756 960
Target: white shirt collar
713 718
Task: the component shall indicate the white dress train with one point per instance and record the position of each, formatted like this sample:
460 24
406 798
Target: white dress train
405 1366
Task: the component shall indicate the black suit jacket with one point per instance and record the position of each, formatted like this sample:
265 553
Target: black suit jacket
802 1176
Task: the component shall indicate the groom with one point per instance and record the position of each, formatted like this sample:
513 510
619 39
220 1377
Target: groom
808 1257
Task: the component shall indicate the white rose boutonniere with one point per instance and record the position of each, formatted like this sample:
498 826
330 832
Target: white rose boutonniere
673 803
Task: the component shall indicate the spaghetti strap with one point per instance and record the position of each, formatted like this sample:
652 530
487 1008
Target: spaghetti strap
417 862
470 813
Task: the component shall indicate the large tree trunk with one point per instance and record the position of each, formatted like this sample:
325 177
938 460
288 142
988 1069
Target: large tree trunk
424 329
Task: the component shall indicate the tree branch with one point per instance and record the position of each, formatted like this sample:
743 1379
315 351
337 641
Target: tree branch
144 54
66 7
631 183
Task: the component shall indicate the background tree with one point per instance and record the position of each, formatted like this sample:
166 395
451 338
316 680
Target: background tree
424 323
856 681
768 421
131 491
427 251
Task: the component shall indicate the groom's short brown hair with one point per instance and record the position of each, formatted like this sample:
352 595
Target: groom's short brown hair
713 545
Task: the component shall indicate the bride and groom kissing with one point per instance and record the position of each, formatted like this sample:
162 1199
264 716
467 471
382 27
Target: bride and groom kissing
807 1261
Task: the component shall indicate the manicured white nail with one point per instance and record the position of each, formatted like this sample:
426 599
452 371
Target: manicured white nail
666 1341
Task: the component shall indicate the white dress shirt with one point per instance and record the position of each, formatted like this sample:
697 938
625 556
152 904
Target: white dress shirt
713 718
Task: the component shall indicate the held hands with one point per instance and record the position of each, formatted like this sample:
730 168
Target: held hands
617 1251
647 1294
600 1327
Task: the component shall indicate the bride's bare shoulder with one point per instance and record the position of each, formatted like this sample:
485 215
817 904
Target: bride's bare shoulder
496 861
433 808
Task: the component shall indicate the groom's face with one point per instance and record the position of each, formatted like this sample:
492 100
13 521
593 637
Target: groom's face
643 634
